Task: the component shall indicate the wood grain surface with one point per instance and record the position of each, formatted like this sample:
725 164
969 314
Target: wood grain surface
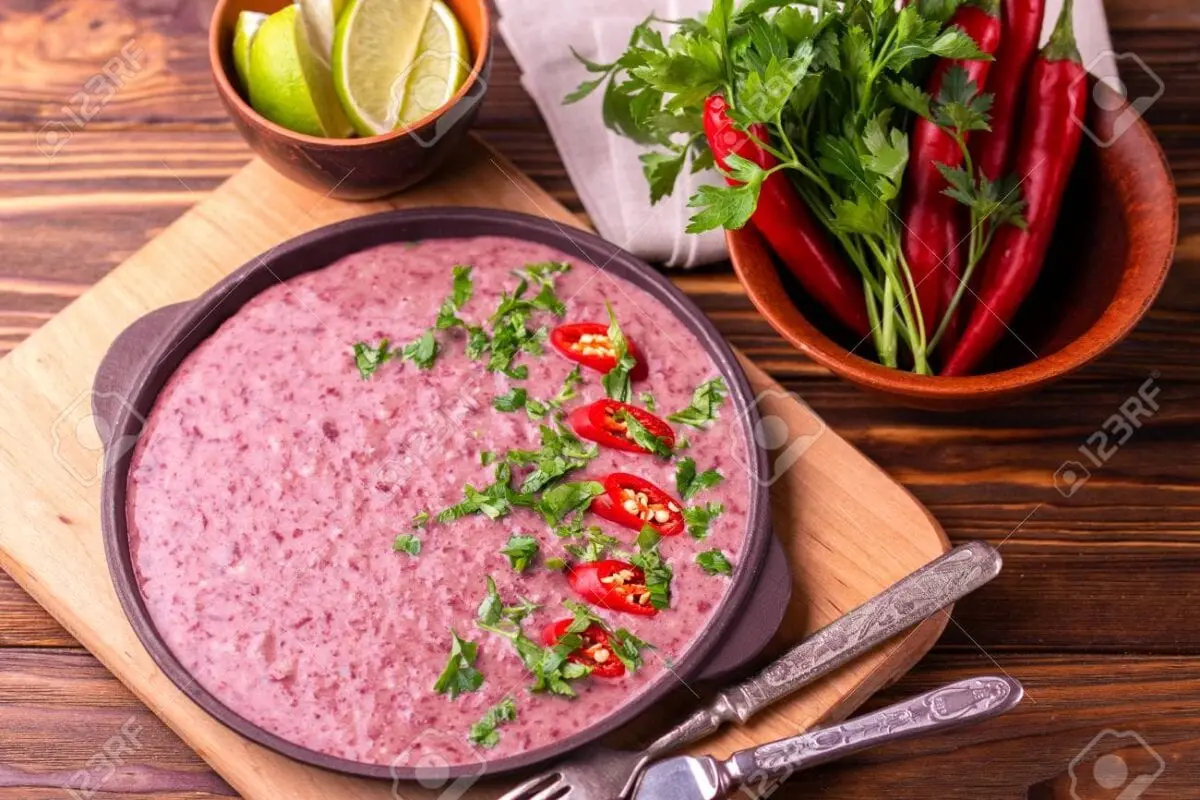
1095 611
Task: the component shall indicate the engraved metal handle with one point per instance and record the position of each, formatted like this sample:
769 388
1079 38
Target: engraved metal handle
909 601
961 703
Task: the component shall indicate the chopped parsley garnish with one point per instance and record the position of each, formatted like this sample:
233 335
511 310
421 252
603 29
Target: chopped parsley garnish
552 672
487 458
690 483
494 501
555 564
521 549
484 733
714 562
640 435
569 388
589 543
542 272
648 402
492 609
420 518
368 358
658 572
706 401
561 452
568 498
628 648
513 400
423 350
616 381
407 543
699 518
464 287
459 676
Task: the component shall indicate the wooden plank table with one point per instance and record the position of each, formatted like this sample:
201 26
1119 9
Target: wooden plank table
1094 611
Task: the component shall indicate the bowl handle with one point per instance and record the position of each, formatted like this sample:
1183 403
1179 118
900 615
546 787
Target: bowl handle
111 386
759 620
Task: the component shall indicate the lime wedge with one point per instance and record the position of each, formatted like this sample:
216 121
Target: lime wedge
320 19
373 50
288 84
441 66
248 23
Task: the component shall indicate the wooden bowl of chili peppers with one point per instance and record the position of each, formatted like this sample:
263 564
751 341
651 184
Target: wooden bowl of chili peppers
917 197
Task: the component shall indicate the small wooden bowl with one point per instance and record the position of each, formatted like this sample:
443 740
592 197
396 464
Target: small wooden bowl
1110 256
363 168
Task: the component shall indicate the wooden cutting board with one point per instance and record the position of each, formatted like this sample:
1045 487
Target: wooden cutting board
848 528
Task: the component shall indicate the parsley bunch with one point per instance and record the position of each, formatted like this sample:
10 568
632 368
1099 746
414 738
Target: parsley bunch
835 86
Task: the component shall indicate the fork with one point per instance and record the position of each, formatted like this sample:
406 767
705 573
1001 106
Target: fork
603 773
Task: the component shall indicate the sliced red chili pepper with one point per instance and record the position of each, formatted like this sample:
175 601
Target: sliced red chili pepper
611 584
635 502
587 343
603 422
595 652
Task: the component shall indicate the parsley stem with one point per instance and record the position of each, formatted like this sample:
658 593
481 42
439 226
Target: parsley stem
887 353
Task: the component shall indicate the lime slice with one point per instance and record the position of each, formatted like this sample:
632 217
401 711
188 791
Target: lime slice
288 84
440 68
320 19
375 45
248 23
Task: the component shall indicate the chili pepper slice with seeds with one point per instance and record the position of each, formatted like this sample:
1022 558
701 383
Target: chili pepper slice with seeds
603 422
615 585
595 651
634 502
587 343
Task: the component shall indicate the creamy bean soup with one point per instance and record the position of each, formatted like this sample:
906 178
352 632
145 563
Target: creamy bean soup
457 499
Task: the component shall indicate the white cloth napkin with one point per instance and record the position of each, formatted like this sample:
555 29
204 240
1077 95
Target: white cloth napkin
603 166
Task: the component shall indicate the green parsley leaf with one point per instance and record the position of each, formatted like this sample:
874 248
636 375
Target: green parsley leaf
542 273
714 562
561 452
726 207
662 172
647 401
628 648
568 498
521 549
569 388
616 381
700 518
555 564
494 501
587 543
689 483
641 436
368 359
536 409
459 675
484 733
706 402
464 287
423 350
420 518
658 572
407 543
513 400
492 610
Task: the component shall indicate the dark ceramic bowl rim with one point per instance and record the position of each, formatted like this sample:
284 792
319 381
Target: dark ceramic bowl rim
210 310
226 87
1073 356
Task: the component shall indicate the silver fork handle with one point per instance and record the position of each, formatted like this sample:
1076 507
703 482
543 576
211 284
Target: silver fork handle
907 602
957 704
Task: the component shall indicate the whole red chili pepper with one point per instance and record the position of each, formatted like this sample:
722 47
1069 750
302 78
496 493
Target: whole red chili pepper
1046 150
934 224
787 224
992 150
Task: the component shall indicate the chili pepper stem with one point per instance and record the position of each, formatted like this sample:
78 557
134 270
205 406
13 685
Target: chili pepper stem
1062 45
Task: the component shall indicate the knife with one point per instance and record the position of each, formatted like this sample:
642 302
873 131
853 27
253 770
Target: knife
765 767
